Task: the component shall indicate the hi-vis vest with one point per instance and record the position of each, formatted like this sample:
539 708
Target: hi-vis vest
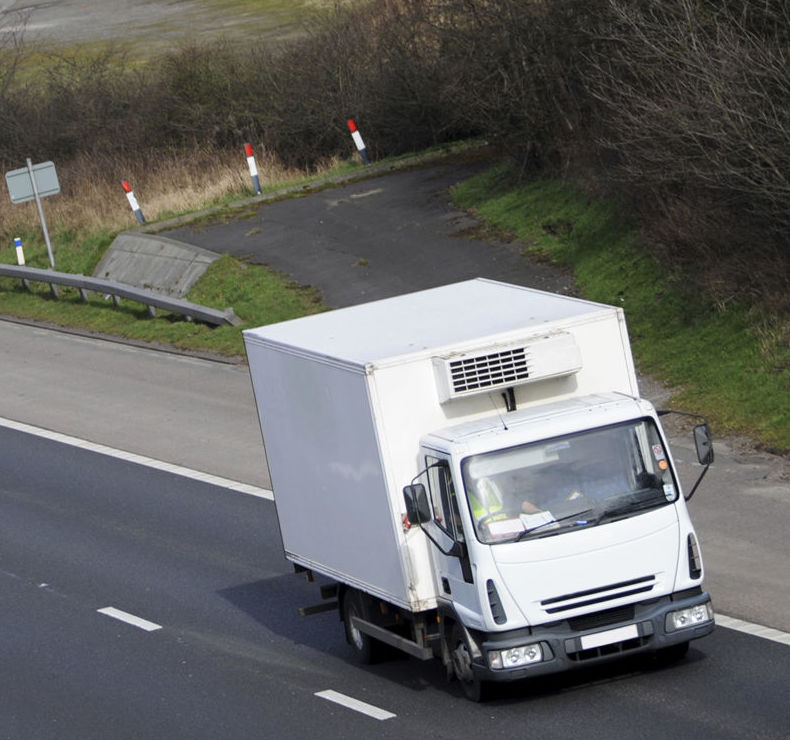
486 500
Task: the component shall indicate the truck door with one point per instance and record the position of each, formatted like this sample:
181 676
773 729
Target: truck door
455 573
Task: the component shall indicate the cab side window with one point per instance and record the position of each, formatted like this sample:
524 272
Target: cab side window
443 498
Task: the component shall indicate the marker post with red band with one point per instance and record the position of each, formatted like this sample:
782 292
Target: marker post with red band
357 137
256 183
133 201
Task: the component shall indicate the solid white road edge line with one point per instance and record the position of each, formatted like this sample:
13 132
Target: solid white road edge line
355 704
143 624
758 630
150 462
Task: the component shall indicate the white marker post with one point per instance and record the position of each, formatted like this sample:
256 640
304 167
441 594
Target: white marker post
20 253
357 137
256 183
20 260
133 201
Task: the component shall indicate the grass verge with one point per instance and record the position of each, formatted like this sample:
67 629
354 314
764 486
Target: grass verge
730 363
258 296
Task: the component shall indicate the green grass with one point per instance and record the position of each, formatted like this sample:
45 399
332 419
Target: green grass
725 363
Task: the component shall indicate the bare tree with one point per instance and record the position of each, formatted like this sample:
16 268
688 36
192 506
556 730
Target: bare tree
696 96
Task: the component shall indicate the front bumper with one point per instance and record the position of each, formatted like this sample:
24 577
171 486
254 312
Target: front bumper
595 638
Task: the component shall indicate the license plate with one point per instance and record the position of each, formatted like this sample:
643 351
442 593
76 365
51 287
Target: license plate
620 634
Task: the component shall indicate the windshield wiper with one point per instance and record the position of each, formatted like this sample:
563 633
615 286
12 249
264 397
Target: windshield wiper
627 508
565 518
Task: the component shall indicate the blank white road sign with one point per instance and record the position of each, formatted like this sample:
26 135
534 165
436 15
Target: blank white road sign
20 185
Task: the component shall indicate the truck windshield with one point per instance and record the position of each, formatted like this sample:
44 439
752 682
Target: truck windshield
580 480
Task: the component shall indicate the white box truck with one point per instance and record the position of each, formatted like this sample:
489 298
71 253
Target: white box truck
474 474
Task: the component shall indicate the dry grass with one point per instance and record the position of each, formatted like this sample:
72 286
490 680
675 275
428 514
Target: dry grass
92 198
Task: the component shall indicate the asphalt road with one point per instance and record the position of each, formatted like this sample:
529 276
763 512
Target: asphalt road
374 239
225 655
166 406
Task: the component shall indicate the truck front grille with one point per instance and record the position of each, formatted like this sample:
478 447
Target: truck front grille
600 595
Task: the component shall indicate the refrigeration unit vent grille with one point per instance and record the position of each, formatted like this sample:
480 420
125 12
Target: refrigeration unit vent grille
469 373
498 369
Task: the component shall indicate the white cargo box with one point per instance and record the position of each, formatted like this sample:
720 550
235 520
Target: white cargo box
345 396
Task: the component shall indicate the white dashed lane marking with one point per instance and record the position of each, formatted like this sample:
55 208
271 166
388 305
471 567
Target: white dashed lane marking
138 622
358 706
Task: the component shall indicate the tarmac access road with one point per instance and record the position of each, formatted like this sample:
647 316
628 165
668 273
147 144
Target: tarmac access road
364 241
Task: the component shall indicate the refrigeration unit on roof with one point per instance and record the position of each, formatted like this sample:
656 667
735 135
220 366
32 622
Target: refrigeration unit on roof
493 368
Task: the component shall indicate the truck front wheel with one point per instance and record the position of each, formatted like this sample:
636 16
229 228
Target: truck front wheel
474 689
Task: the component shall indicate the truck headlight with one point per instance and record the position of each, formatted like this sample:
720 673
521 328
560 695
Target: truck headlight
691 617
514 657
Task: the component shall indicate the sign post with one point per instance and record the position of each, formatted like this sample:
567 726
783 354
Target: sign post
35 182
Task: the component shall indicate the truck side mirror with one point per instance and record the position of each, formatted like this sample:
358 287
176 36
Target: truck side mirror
417 507
704 444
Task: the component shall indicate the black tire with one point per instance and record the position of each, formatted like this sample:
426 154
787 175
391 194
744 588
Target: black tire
474 689
367 650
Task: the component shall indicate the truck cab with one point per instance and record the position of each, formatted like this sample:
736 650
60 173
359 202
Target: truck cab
561 537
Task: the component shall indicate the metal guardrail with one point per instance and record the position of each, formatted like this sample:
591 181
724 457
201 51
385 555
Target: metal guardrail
119 290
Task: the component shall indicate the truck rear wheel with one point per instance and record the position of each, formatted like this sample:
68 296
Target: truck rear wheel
474 688
366 648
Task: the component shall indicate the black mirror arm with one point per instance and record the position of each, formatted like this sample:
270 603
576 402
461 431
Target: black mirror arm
456 551
699 480
708 458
